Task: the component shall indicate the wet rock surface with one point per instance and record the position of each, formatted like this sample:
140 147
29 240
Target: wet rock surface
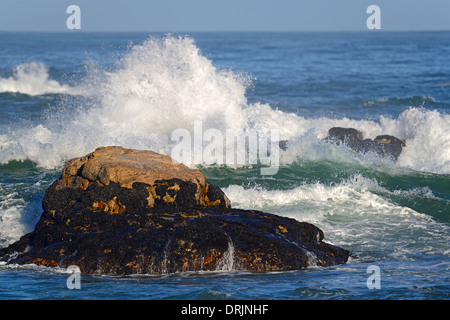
382 146
120 211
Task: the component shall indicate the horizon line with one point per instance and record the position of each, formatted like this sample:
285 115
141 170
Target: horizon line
226 31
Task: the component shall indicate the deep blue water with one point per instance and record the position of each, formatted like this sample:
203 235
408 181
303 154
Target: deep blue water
64 94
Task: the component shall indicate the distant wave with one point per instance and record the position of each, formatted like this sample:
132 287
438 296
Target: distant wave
32 79
444 84
415 100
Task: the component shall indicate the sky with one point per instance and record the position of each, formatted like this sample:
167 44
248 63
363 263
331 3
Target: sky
224 15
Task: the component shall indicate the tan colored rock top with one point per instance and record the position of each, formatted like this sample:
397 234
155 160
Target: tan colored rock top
125 166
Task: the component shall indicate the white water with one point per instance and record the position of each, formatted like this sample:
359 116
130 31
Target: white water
11 214
18 215
32 79
353 215
166 84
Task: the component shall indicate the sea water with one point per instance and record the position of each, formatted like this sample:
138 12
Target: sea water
64 94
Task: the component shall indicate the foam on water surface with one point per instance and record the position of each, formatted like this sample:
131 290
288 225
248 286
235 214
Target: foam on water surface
354 214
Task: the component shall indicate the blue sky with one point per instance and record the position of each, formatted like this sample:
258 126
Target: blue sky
224 15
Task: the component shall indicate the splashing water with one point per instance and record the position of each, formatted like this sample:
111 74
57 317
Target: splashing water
166 83
32 79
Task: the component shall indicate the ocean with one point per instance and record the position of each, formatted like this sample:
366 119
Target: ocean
64 94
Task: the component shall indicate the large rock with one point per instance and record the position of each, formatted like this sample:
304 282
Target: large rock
382 146
120 211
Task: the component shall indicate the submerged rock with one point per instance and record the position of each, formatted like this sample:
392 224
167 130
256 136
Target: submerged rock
120 211
382 146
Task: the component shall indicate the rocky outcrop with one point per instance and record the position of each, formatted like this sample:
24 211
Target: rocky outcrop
120 211
382 146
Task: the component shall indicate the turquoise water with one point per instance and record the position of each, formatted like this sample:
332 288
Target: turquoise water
64 94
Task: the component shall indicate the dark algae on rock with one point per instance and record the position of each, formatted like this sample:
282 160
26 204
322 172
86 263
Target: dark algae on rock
120 211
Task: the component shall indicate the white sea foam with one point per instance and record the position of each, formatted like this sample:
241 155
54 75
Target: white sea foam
428 139
427 135
352 214
11 213
33 79
164 84
18 212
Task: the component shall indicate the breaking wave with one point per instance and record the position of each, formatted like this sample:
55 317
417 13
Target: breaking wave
164 84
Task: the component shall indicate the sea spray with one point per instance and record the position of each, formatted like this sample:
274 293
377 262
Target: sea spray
427 133
165 84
